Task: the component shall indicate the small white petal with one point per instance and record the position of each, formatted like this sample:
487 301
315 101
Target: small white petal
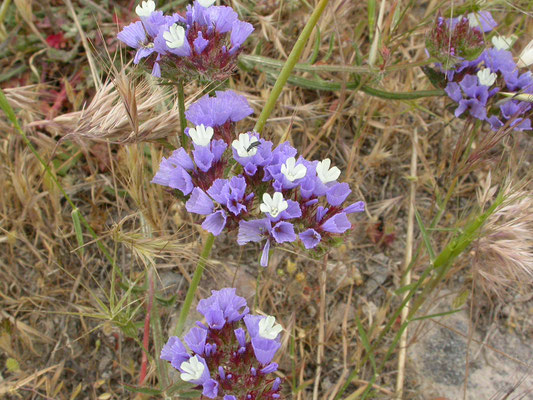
175 36
291 171
193 369
526 57
201 135
325 173
473 20
145 9
502 42
273 205
268 329
486 77
206 3
243 145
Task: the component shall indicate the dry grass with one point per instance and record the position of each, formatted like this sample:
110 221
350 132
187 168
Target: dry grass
67 345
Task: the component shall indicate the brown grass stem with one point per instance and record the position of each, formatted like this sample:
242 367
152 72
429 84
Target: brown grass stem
321 325
402 354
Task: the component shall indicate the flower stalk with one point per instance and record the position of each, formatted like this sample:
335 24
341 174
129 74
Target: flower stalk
186 308
181 110
293 58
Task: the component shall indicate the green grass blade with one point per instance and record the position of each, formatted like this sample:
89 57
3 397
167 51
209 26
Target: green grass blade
425 236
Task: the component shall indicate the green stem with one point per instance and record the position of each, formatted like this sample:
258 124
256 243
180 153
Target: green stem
4 104
181 110
289 65
184 312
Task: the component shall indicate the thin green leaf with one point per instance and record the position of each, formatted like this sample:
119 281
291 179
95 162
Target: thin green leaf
425 236
366 343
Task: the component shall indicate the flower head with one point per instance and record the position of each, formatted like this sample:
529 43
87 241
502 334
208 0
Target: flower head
302 199
229 361
205 43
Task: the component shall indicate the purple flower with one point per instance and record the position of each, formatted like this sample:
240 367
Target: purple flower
482 19
195 339
210 388
240 334
283 232
222 18
224 303
337 224
239 33
355 207
265 349
216 111
199 203
453 90
200 43
272 367
264 333
174 351
253 231
310 238
173 172
206 156
134 36
215 222
338 193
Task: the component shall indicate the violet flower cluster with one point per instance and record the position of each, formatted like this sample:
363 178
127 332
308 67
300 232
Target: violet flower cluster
226 360
477 84
269 194
204 43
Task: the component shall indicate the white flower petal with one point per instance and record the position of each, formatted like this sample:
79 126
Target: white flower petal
206 3
193 368
325 173
268 329
175 36
526 57
486 77
145 9
502 42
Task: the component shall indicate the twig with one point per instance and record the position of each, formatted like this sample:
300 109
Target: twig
407 260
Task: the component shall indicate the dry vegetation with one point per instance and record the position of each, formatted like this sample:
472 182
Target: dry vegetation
70 328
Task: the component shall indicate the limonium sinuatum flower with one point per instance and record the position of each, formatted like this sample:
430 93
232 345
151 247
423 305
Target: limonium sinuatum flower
269 195
230 355
478 73
203 43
